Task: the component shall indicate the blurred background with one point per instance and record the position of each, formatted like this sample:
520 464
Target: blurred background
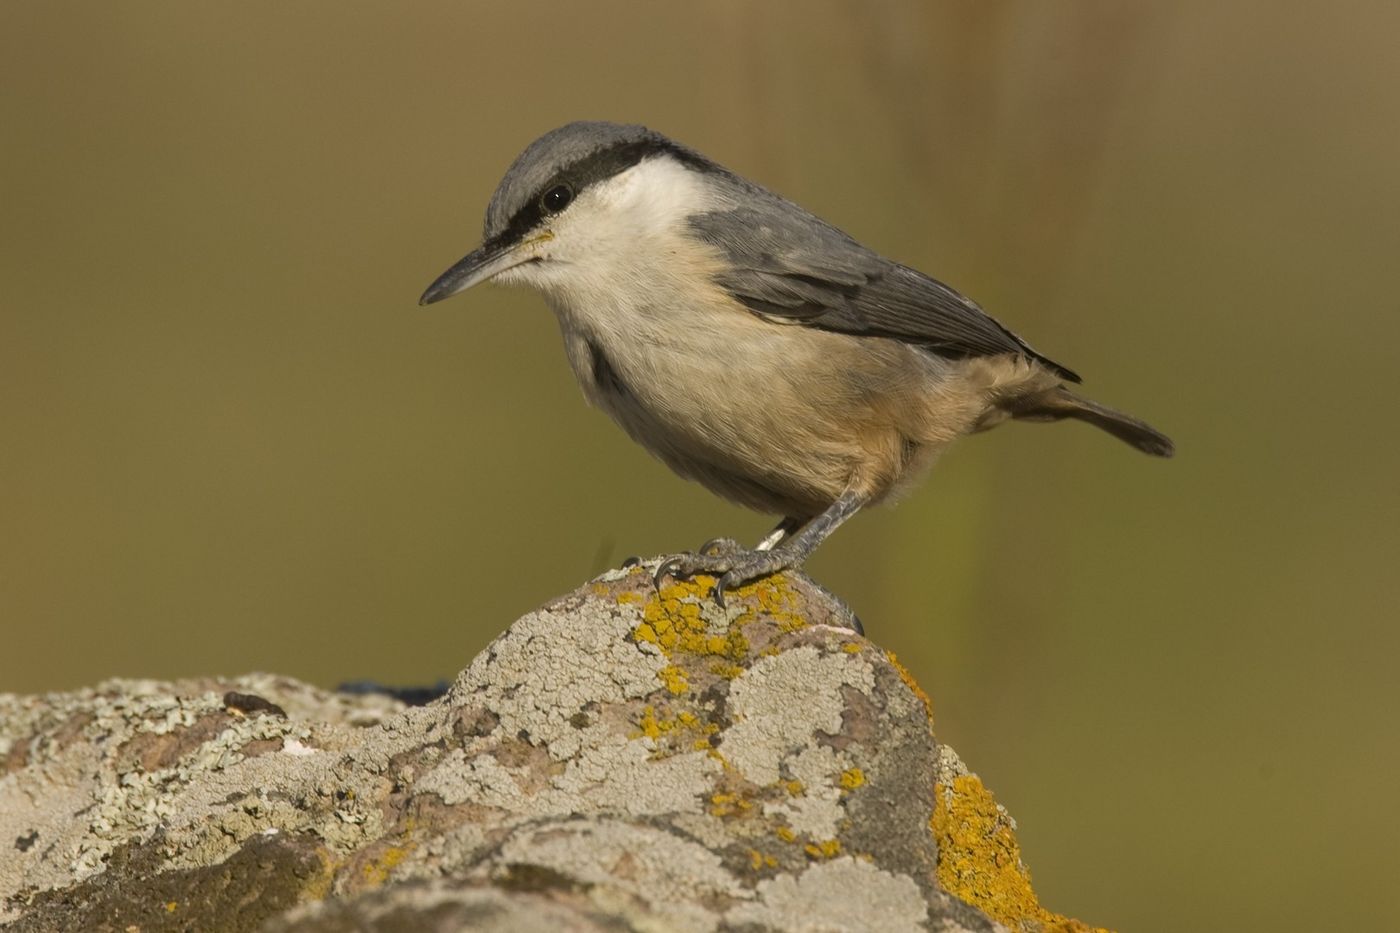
230 440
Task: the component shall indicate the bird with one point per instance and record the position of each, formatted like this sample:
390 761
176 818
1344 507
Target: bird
748 344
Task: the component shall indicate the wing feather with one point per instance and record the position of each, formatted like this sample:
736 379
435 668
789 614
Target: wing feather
789 265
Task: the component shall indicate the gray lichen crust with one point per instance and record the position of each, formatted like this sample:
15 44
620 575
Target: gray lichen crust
621 758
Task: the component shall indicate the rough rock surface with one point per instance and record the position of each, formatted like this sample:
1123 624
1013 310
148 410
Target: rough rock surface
620 759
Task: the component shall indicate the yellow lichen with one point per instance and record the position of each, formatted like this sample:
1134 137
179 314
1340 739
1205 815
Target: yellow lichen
377 872
851 647
912 684
318 883
655 726
674 679
726 670
650 726
777 600
673 621
631 597
794 788
829 848
852 778
785 833
758 861
979 859
725 804
171 906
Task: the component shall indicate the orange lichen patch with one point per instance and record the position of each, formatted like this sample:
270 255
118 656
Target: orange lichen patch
979 859
631 597
852 778
829 848
912 684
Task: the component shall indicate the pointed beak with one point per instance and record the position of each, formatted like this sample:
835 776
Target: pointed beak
481 264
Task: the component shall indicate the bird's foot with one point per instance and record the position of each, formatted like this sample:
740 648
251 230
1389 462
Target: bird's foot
713 547
717 547
733 566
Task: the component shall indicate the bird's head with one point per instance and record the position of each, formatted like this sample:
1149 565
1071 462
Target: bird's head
577 203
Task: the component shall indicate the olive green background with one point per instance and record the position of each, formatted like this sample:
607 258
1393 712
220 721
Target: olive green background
230 440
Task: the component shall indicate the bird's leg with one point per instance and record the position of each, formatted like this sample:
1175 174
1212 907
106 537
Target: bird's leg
785 528
739 567
719 546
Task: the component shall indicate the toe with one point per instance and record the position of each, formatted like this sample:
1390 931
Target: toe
749 566
666 569
726 582
719 546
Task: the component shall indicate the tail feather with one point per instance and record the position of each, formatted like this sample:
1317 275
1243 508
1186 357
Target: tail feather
1059 402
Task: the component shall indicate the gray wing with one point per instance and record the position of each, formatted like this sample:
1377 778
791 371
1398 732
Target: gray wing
789 265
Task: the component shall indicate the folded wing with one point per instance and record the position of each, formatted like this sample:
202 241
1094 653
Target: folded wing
789 266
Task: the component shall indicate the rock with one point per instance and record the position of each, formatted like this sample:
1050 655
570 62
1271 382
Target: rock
620 759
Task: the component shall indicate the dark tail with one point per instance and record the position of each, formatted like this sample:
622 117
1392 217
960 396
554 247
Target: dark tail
1059 402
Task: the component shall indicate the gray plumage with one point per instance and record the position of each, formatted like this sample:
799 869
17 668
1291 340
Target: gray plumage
748 344
790 265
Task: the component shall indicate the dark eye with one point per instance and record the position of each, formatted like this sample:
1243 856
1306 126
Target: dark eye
557 198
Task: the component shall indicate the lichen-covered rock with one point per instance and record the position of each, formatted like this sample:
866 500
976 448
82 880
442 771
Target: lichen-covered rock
621 759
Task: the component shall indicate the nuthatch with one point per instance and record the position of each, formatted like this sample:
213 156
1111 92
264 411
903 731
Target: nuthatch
749 345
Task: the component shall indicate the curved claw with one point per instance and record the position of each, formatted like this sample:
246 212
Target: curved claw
631 562
666 569
722 584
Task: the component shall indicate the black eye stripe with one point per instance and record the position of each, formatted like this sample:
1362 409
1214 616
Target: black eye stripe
591 169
